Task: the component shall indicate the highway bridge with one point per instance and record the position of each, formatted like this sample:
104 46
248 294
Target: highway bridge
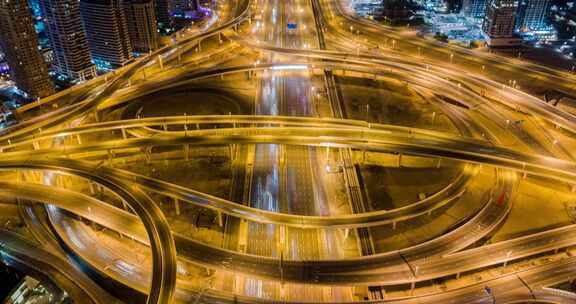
118 203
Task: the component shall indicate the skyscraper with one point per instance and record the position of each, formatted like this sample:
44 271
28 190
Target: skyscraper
107 32
474 8
68 39
398 11
498 25
182 6
532 14
20 45
164 9
142 27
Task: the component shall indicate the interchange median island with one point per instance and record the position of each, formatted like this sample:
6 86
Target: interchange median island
275 155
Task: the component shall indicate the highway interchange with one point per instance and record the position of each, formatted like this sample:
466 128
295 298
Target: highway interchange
286 234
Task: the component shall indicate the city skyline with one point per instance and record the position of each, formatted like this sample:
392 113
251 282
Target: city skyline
287 151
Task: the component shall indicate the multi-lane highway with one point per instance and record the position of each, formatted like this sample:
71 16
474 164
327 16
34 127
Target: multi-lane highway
299 225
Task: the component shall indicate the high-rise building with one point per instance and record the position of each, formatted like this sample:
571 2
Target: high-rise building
107 32
142 27
398 11
164 10
499 22
532 15
182 6
68 39
474 8
20 45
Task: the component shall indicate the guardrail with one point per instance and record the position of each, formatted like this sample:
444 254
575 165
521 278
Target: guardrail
560 292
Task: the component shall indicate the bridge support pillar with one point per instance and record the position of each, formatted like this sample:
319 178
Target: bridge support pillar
110 157
186 152
91 187
457 276
282 236
79 139
177 206
220 220
393 225
439 163
412 287
231 152
61 181
346 232
148 154
30 176
524 173
160 63
26 176
242 236
124 136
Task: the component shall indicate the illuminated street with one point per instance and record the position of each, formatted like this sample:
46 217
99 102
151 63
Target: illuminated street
294 151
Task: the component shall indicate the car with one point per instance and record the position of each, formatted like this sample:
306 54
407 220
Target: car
334 168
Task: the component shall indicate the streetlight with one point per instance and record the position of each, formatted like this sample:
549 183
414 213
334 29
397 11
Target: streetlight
508 254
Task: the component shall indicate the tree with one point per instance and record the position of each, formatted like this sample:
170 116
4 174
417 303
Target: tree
474 44
441 37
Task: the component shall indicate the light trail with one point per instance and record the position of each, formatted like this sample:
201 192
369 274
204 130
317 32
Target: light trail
23 148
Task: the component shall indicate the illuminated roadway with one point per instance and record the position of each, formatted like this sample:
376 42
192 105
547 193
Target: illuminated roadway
292 61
